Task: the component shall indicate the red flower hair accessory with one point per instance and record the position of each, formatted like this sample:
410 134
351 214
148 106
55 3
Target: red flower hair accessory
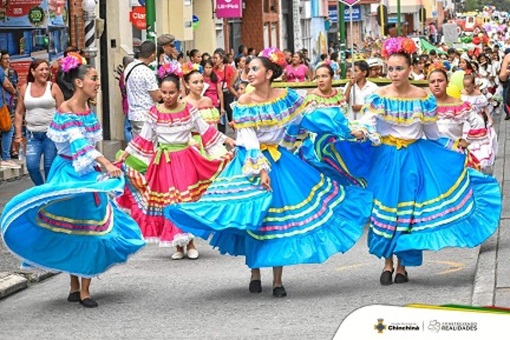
274 55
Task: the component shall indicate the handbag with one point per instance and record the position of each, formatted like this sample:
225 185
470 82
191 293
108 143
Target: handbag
5 116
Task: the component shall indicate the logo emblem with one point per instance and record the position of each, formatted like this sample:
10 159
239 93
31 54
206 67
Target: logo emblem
380 327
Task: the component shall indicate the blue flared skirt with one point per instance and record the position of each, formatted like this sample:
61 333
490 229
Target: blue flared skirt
70 224
325 125
424 197
306 218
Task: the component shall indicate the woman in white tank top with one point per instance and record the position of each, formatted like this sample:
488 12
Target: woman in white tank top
38 101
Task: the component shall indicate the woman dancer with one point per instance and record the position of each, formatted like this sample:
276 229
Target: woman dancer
483 142
268 205
177 172
70 223
424 197
194 83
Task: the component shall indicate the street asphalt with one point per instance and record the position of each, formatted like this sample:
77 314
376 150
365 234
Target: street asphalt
153 297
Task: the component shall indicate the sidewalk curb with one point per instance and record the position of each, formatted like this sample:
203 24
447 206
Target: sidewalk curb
485 280
484 286
13 283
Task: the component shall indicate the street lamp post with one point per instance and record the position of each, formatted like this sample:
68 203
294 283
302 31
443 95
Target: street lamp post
89 16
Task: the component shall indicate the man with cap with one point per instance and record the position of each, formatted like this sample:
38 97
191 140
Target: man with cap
169 55
375 66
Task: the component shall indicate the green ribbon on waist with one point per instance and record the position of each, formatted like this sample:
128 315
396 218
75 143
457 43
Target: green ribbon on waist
166 149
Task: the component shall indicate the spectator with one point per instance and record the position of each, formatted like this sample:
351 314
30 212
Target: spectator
361 89
38 101
227 76
168 53
125 106
195 57
8 82
141 87
297 71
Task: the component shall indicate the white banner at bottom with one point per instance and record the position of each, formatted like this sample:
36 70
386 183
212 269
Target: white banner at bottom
425 322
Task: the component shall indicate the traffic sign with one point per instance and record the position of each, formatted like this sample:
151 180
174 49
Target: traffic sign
349 2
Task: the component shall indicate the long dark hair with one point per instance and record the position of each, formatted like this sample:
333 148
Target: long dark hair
76 73
188 75
406 56
35 64
173 79
213 76
328 68
277 69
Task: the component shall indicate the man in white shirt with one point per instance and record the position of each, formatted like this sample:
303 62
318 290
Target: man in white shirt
141 87
361 89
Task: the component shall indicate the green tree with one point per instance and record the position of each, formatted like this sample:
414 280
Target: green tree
501 5
472 5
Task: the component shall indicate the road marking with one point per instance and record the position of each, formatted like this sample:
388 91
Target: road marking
454 267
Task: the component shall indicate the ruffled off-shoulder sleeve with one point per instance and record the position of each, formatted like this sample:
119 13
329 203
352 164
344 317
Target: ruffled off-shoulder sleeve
402 112
78 138
255 161
276 113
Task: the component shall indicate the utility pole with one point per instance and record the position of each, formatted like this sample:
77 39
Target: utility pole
341 31
399 23
150 18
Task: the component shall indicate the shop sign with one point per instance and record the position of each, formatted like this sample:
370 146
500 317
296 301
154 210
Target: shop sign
137 17
229 8
27 13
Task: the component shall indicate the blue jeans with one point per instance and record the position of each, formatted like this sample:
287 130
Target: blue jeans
6 144
38 144
127 130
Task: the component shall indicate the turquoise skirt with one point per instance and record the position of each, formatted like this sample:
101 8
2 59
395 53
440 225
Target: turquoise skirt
306 218
424 197
70 224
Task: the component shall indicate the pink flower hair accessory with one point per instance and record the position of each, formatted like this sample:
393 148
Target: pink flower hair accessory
398 45
71 61
169 69
274 55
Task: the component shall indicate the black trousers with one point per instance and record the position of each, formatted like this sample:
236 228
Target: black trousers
228 98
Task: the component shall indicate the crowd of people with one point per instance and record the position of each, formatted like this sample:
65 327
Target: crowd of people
304 175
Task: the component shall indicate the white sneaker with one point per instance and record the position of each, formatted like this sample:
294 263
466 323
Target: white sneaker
10 164
193 254
178 255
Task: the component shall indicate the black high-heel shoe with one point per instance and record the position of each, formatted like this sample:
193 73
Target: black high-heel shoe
255 286
74 297
89 303
279 292
386 278
401 278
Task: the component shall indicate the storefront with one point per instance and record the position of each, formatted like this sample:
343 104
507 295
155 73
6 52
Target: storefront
33 29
